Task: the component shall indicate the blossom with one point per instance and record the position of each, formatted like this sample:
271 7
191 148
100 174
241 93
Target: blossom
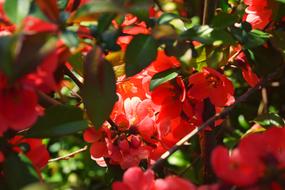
249 76
18 108
258 13
256 154
234 168
136 179
173 183
34 149
213 85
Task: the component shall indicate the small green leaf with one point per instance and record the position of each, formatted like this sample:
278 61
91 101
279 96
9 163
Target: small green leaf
178 159
140 53
99 87
70 38
271 119
167 17
199 33
18 172
105 21
163 77
58 121
97 6
17 10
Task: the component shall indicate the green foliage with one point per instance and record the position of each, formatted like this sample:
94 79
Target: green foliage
18 172
17 10
58 121
163 77
269 119
140 53
99 88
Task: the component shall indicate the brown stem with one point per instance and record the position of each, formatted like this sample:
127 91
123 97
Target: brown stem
48 99
70 155
211 120
73 77
263 106
205 12
207 143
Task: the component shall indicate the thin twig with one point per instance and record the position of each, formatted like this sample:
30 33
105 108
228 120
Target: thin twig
48 98
73 77
205 12
68 156
158 4
211 120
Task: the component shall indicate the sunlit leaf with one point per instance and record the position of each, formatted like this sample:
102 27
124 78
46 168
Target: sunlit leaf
99 88
140 53
58 121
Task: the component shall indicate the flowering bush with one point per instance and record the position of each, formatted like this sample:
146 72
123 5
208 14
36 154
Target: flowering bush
142 95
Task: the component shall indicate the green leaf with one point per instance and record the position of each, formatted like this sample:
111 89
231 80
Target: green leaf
58 121
271 119
259 58
34 49
223 20
17 10
230 142
217 57
163 77
70 38
18 171
140 53
165 18
251 39
199 33
105 21
7 43
99 87
178 159
97 6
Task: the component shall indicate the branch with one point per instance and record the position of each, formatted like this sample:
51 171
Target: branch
68 156
73 77
158 4
205 12
48 99
211 120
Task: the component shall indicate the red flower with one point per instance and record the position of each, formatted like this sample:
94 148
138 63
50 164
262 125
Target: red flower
249 162
173 183
249 76
97 138
34 149
162 63
213 85
34 25
135 179
258 13
234 168
131 26
18 108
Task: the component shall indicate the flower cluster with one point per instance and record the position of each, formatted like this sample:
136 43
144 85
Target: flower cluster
144 124
258 158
